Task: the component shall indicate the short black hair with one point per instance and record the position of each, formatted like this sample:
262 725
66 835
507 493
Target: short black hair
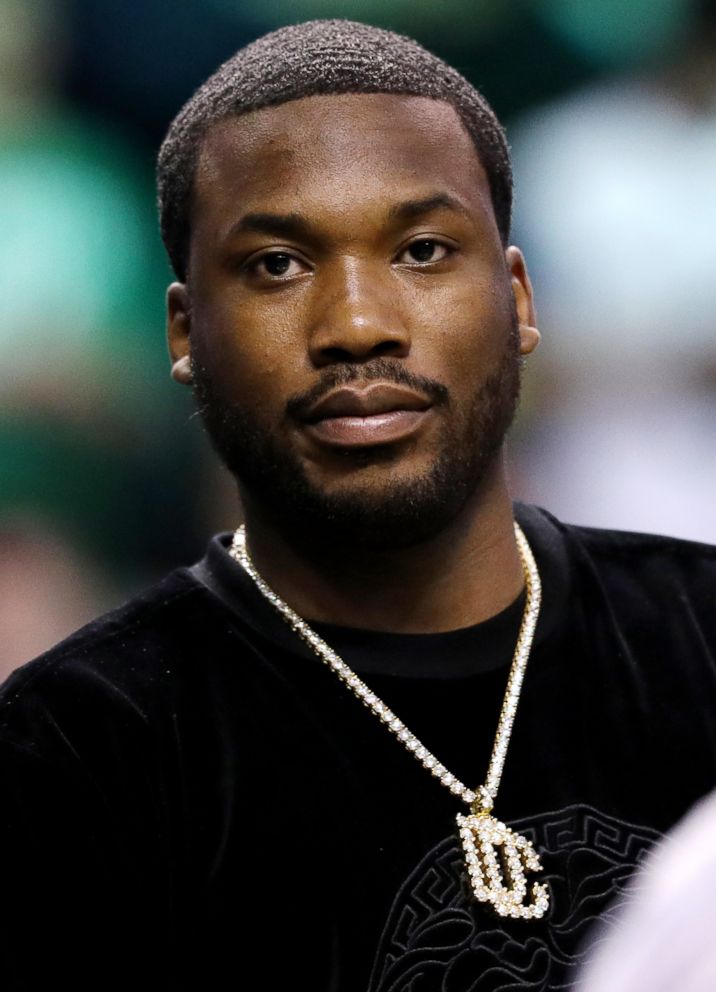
320 58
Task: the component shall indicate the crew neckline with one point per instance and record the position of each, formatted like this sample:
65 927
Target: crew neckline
479 648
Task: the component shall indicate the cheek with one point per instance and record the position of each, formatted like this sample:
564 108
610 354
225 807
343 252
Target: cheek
466 332
251 357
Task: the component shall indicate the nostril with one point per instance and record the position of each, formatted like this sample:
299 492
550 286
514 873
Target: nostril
336 354
385 348
389 347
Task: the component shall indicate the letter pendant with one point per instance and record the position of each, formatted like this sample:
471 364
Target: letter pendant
497 859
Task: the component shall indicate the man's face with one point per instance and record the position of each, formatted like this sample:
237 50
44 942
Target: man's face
350 315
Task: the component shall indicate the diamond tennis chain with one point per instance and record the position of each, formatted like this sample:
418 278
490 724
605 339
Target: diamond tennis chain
494 879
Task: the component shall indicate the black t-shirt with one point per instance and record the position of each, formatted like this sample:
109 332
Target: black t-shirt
190 799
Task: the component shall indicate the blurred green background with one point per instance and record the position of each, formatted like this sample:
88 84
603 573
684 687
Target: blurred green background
105 479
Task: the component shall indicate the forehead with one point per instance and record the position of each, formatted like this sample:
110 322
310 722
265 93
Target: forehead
336 152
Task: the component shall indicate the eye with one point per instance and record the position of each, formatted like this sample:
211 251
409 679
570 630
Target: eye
276 265
424 251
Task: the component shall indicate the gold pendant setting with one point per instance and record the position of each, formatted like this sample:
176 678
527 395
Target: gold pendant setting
497 859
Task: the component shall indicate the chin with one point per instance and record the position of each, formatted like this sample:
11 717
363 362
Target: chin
382 498
376 510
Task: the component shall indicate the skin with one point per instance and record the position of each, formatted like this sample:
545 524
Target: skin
353 290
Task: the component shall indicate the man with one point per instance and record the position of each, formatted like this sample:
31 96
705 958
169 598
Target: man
251 775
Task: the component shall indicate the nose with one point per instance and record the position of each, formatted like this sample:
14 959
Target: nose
357 317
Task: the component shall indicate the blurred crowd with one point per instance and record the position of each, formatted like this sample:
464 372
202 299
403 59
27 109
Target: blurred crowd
105 479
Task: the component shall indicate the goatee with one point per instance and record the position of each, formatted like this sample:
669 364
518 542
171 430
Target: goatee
402 512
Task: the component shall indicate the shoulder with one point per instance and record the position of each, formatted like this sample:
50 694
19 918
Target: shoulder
656 559
119 666
118 632
644 575
619 547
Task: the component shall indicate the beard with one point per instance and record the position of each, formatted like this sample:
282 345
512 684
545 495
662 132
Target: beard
402 511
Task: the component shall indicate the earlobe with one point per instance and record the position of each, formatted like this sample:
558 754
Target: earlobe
524 300
181 370
178 332
529 339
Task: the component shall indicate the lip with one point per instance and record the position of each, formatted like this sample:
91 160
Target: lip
380 413
377 398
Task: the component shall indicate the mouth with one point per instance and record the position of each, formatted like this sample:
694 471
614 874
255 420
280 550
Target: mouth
381 413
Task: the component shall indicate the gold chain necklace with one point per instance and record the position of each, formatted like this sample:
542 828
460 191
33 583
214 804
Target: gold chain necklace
496 857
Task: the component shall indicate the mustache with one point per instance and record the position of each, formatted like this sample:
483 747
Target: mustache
383 369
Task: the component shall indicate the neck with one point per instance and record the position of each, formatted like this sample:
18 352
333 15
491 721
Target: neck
465 574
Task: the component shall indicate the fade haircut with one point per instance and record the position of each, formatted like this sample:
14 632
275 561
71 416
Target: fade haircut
319 58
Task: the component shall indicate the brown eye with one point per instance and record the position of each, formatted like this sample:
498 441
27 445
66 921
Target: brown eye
276 264
424 251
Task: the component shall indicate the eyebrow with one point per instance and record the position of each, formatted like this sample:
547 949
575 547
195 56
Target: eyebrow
275 225
296 226
416 208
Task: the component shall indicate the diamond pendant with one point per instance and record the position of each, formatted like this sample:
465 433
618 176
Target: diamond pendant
497 859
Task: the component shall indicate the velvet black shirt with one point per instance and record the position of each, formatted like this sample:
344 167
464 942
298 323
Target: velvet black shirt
190 799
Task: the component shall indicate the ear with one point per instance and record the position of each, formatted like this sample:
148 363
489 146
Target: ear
524 300
178 330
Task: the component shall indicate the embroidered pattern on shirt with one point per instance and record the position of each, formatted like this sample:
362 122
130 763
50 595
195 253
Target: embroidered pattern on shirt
437 939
